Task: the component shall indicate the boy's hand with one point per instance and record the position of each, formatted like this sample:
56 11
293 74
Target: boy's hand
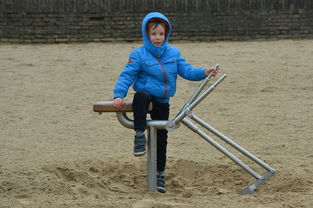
118 103
214 71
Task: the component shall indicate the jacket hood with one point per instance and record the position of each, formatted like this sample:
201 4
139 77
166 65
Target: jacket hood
156 51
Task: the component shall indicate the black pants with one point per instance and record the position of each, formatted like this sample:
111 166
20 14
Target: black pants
160 111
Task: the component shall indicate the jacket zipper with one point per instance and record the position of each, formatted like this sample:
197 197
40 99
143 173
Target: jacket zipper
165 79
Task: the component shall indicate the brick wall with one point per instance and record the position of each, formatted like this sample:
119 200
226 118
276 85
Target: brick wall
110 20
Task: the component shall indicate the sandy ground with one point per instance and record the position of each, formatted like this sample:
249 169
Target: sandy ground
56 152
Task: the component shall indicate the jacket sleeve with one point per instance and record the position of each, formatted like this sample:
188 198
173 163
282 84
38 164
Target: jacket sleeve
185 70
128 75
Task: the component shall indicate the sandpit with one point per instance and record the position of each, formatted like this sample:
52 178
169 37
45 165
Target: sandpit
56 152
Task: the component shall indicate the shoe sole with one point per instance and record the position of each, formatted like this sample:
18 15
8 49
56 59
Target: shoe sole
138 154
161 189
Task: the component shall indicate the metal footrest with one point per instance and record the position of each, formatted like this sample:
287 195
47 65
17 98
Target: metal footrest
250 189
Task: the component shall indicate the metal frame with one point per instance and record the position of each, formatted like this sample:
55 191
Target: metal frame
171 125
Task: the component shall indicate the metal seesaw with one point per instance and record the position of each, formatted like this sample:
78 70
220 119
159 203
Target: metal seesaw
170 125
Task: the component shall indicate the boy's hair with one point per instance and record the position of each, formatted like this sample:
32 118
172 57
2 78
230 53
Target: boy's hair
154 22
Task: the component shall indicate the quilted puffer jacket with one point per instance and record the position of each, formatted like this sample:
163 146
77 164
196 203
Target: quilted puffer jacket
155 69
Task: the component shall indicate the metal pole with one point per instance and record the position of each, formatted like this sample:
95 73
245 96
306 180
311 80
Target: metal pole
197 92
182 114
207 92
200 88
128 123
231 142
219 147
152 159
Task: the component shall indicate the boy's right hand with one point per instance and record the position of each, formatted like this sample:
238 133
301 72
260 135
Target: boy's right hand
118 103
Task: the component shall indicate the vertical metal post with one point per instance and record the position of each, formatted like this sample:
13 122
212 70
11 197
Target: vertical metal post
152 159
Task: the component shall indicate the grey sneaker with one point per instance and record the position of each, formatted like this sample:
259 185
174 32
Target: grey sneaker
139 145
160 182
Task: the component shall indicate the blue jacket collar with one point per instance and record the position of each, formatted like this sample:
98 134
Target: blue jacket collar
156 51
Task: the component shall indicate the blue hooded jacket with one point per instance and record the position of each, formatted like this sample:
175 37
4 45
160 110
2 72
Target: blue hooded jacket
154 69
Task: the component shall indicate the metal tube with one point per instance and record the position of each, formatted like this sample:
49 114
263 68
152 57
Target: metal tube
128 123
182 114
152 159
207 92
124 120
231 142
152 125
200 88
197 92
219 147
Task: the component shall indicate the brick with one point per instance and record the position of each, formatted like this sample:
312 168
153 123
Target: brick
57 6
70 6
13 40
81 6
32 6
45 6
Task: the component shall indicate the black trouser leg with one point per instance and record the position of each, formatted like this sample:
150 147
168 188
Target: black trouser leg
140 106
160 111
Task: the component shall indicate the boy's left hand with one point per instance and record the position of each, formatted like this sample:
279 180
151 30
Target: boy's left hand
214 71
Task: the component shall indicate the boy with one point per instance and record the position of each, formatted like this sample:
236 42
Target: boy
152 71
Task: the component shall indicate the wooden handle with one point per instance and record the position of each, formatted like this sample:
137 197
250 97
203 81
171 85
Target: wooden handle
107 106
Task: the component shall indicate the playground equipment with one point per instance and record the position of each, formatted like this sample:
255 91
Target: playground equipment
171 125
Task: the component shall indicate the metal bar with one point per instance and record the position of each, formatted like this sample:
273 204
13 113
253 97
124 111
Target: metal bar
182 114
219 147
152 159
197 92
128 123
231 142
207 92
201 86
199 89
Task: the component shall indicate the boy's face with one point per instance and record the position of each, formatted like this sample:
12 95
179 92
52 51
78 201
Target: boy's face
157 35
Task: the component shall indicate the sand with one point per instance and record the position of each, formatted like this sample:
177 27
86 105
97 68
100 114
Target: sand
56 152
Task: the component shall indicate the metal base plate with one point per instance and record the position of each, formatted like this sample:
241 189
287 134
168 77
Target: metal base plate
250 189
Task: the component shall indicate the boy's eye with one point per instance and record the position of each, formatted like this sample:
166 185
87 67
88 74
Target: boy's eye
156 33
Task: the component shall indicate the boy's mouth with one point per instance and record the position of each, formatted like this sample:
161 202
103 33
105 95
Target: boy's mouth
158 43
